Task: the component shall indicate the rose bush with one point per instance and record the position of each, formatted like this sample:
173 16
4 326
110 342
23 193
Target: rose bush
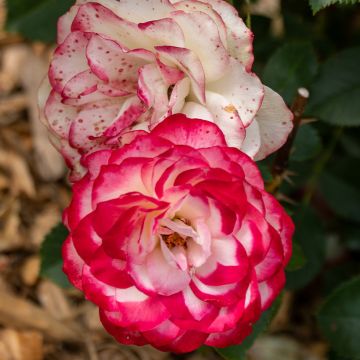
124 65
174 238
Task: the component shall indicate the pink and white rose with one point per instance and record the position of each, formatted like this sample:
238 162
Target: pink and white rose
128 64
174 238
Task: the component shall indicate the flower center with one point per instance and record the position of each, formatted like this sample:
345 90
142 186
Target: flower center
174 240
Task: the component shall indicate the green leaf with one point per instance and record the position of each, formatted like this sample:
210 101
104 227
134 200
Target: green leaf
307 144
339 319
350 143
341 196
317 5
309 234
352 238
238 352
298 259
265 171
335 93
36 19
290 67
51 259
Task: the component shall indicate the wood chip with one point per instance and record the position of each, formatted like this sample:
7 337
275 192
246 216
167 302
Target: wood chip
49 163
54 300
26 345
30 271
14 58
43 223
14 103
20 313
20 177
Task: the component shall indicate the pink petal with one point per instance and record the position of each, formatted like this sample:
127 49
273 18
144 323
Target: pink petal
252 141
85 239
189 63
194 110
230 337
191 6
255 235
136 311
80 205
228 263
113 65
129 113
142 146
58 115
96 18
227 118
94 161
275 123
172 75
101 294
222 219
189 341
196 133
90 124
82 84
116 180
271 288
124 233
73 264
190 313
224 295
139 11
163 334
177 99
64 24
251 171
206 41
173 169
166 279
217 159
122 334
273 261
110 271
239 37
163 32
69 60
228 317
281 222
194 208
152 90
243 91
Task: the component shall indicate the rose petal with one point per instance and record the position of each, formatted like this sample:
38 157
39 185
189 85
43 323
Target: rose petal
275 123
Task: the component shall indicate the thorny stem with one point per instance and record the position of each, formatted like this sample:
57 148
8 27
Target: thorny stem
320 166
282 158
248 16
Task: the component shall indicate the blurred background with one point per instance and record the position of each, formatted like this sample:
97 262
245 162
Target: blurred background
318 315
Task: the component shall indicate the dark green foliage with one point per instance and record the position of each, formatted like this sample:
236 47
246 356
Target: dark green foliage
292 66
307 144
317 5
36 19
339 319
51 265
309 234
336 92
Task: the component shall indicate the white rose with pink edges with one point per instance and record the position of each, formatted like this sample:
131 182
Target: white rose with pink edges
126 65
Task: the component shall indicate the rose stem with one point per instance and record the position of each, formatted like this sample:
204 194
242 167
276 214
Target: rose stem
248 16
282 158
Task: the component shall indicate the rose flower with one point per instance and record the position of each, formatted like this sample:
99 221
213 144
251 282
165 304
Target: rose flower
174 238
124 65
